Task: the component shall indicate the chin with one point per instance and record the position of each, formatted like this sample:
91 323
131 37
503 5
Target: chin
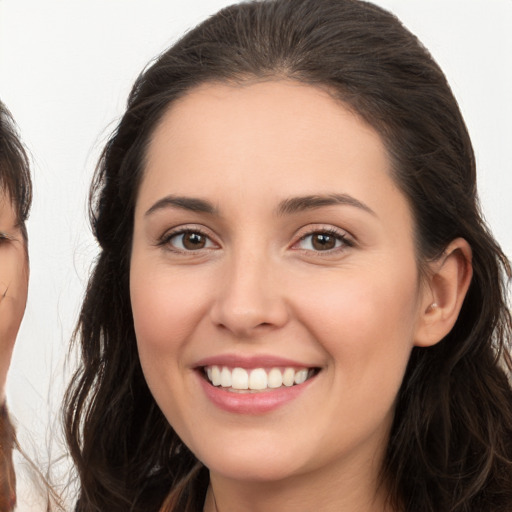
257 463
253 471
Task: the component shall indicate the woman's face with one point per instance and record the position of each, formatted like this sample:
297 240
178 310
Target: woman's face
270 246
13 282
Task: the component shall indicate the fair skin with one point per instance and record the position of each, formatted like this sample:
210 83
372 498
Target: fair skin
13 284
269 234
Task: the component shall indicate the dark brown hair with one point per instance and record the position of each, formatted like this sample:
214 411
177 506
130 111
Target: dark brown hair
14 167
451 442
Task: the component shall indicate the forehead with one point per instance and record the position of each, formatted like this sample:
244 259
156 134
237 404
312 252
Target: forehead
11 191
7 208
9 220
266 127
263 107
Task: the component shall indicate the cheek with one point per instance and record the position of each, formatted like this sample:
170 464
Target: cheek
166 309
365 321
13 298
13 292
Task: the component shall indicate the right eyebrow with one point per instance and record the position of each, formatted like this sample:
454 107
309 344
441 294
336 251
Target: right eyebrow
193 204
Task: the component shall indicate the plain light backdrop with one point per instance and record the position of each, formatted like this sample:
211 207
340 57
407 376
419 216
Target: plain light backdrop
66 68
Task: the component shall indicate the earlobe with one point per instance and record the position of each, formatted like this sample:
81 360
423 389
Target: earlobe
448 282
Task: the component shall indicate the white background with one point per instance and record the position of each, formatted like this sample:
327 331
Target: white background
66 68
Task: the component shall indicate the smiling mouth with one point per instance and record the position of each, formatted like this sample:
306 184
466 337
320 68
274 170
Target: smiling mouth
240 380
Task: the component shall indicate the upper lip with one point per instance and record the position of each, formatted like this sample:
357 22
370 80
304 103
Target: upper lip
254 361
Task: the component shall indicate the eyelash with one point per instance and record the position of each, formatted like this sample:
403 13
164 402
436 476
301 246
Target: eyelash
165 240
338 235
342 241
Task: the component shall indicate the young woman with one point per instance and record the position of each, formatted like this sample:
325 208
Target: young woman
297 304
15 199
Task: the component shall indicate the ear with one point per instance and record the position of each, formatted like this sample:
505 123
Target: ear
443 293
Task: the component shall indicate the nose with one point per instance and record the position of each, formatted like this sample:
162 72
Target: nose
250 299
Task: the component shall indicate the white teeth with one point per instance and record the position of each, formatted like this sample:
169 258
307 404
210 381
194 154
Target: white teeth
289 377
225 378
301 376
239 379
215 378
257 379
275 378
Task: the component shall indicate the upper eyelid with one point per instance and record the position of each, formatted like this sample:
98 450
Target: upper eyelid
310 229
187 228
347 239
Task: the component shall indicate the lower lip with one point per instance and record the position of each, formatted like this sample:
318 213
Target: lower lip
252 403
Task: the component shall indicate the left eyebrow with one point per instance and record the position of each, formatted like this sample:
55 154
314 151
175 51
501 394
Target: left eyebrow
183 203
302 203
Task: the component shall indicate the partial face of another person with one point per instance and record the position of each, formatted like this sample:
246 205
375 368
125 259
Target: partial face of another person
274 281
13 282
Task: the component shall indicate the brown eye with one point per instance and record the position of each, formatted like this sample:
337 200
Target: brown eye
323 242
192 241
189 241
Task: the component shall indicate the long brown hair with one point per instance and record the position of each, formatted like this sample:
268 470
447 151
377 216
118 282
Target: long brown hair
14 167
451 443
